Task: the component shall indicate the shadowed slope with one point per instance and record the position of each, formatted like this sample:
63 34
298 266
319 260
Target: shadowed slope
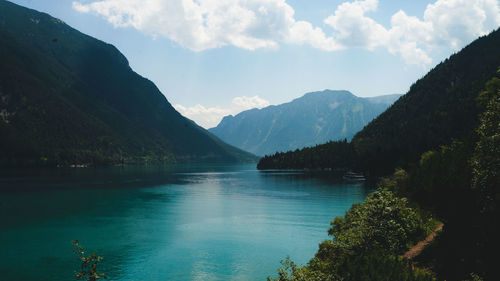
66 97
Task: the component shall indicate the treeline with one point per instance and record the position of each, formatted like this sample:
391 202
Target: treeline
438 108
459 184
333 154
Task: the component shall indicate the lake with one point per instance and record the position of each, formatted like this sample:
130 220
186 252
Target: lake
187 222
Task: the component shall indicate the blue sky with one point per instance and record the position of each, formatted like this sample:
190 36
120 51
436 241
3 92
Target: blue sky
211 58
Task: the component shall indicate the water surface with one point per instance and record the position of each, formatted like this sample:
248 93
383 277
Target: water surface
195 222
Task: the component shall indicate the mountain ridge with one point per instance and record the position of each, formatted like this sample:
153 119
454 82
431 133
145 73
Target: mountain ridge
311 119
66 97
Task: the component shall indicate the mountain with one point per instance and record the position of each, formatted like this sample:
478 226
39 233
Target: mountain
312 119
67 98
445 135
438 108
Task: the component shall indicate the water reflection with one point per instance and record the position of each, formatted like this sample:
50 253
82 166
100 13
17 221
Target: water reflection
166 223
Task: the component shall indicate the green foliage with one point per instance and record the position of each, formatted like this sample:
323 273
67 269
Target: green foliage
397 182
291 272
460 183
486 158
384 221
474 277
330 155
367 243
378 265
441 174
88 264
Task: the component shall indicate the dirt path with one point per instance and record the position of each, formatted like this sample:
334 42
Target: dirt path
417 249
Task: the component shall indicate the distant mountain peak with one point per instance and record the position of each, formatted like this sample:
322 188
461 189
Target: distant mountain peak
313 118
328 93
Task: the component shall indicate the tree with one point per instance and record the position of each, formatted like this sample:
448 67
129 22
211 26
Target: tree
88 267
486 159
367 243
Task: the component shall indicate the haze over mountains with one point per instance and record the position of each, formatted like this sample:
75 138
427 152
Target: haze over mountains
67 98
312 119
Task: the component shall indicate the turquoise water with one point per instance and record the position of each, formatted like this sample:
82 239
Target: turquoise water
156 223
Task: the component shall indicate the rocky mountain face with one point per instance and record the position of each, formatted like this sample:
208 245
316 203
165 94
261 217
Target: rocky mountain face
312 119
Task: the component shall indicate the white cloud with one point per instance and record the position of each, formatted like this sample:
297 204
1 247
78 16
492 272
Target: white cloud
457 22
201 24
302 32
446 23
81 8
353 29
407 36
209 117
253 24
250 102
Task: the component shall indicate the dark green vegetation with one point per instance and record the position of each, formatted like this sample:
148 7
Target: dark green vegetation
88 264
367 243
67 98
438 108
312 119
458 183
461 184
336 155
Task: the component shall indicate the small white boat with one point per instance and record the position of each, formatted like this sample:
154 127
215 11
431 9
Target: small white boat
352 176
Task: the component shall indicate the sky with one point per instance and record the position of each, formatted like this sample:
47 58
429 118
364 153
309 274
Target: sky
212 58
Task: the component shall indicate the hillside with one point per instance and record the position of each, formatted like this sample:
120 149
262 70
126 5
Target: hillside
454 190
312 119
67 98
438 108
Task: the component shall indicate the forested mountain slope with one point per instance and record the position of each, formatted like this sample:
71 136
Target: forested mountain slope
456 187
67 98
438 108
